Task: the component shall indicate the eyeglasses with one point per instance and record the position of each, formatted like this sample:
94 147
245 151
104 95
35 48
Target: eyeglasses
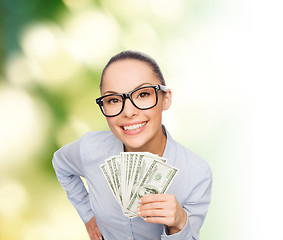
142 98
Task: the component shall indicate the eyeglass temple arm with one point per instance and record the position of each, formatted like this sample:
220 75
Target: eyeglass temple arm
163 88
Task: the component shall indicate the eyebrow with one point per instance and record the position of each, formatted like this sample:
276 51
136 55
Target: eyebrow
113 92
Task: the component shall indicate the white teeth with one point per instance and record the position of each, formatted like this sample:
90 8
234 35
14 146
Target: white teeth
134 127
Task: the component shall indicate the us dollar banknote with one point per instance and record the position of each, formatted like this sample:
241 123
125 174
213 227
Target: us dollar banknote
132 175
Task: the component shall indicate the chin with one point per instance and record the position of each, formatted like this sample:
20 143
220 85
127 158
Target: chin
134 145
134 142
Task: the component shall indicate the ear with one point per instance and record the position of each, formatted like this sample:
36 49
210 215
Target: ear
167 99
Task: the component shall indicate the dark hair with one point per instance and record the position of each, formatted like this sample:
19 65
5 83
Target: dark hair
137 56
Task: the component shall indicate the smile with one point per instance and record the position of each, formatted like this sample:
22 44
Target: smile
133 127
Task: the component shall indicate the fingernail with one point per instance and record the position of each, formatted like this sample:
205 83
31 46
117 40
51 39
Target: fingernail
139 201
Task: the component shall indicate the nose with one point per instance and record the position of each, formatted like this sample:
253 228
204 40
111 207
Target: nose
129 110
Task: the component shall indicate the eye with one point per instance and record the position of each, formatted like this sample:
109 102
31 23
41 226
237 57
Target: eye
112 100
143 94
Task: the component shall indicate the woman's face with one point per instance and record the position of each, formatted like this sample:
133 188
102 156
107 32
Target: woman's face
145 132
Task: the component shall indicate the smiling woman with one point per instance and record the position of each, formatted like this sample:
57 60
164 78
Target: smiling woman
133 99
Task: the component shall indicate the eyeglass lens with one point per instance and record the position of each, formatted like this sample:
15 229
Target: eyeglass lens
142 98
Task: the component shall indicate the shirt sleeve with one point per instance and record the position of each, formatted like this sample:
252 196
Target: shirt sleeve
68 168
196 208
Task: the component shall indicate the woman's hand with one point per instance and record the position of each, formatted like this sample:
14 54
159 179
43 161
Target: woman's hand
92 230
163 209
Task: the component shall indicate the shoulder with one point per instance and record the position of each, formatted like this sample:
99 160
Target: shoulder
90 138
88 144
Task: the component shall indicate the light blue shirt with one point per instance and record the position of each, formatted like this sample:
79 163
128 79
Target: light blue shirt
191 186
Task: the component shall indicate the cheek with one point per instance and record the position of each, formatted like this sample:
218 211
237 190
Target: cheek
156 114
111 122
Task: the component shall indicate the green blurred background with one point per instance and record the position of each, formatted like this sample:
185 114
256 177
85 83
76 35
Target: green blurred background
215 60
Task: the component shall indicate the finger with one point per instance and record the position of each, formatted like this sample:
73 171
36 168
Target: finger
156 198
171 203
159 220
154 205
96 237
95 234
155 213
98 234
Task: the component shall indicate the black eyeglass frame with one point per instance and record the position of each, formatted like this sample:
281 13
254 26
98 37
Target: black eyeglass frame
124 96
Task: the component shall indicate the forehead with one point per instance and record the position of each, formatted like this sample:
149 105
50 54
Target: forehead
125 75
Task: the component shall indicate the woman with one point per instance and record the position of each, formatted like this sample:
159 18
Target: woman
136 126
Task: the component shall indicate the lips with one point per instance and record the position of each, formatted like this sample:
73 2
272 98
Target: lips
133 127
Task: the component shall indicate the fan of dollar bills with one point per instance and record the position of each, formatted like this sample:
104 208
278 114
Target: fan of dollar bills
133 175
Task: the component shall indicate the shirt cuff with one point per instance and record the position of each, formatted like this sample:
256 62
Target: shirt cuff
184 234
87 217
85 212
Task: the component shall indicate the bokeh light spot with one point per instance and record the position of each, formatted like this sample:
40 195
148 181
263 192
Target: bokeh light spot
47 49
13 200
23 128
18 70
94 33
